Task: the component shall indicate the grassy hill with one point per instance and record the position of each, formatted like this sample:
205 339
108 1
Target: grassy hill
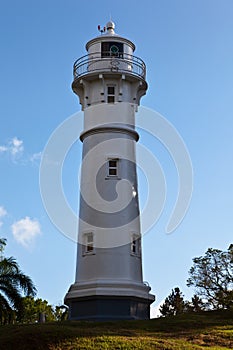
212 330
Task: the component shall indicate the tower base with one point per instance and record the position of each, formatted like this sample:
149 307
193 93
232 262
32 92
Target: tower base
103 308
109 301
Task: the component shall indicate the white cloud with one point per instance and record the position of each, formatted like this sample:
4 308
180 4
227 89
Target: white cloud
3 149
3 213
16 146
13 147
26 230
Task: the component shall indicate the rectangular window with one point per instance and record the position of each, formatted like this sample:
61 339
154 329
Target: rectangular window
88 243
136 245
111 94
113 167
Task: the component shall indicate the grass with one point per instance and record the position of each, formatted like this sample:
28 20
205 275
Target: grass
207 330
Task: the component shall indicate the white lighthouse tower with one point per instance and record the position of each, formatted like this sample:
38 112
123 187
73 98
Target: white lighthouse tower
110 82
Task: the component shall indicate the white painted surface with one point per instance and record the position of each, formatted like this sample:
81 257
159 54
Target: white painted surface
111 269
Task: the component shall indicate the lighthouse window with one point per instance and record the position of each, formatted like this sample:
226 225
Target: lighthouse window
111 49
113 167
88 243
135 245
111 94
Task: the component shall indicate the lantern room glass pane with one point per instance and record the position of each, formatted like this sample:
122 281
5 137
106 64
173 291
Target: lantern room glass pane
111 49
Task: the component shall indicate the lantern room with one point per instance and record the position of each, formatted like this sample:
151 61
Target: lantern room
110 67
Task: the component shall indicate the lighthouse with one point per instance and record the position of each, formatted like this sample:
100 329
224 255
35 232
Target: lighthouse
109 81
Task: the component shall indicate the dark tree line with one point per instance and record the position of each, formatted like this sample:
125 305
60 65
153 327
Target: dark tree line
17 296
175 304
13 284
212 278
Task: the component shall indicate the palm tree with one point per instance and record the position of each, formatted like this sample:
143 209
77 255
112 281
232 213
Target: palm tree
14 284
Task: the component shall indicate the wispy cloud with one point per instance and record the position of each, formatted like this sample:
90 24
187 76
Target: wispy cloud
3 213
36 157
14 147
3 149
26 230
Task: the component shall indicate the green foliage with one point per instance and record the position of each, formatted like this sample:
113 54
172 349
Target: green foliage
61 313
16 296
212 277
13 285
196 304
34 308
174 304
2 246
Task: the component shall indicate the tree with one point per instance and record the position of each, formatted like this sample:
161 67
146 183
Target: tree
212 277
61 312
13 285
32 308
174 304
2 246
196 304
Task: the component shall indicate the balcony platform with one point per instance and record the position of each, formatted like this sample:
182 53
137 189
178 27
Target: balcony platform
98 63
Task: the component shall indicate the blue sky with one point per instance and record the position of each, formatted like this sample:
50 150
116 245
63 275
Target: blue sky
188 49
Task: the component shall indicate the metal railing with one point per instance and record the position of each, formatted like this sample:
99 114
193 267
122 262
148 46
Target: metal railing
109 62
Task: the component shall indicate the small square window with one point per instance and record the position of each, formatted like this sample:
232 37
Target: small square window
135 245
111 94
88 244
113 167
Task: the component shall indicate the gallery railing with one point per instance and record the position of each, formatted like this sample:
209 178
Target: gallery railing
109 62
